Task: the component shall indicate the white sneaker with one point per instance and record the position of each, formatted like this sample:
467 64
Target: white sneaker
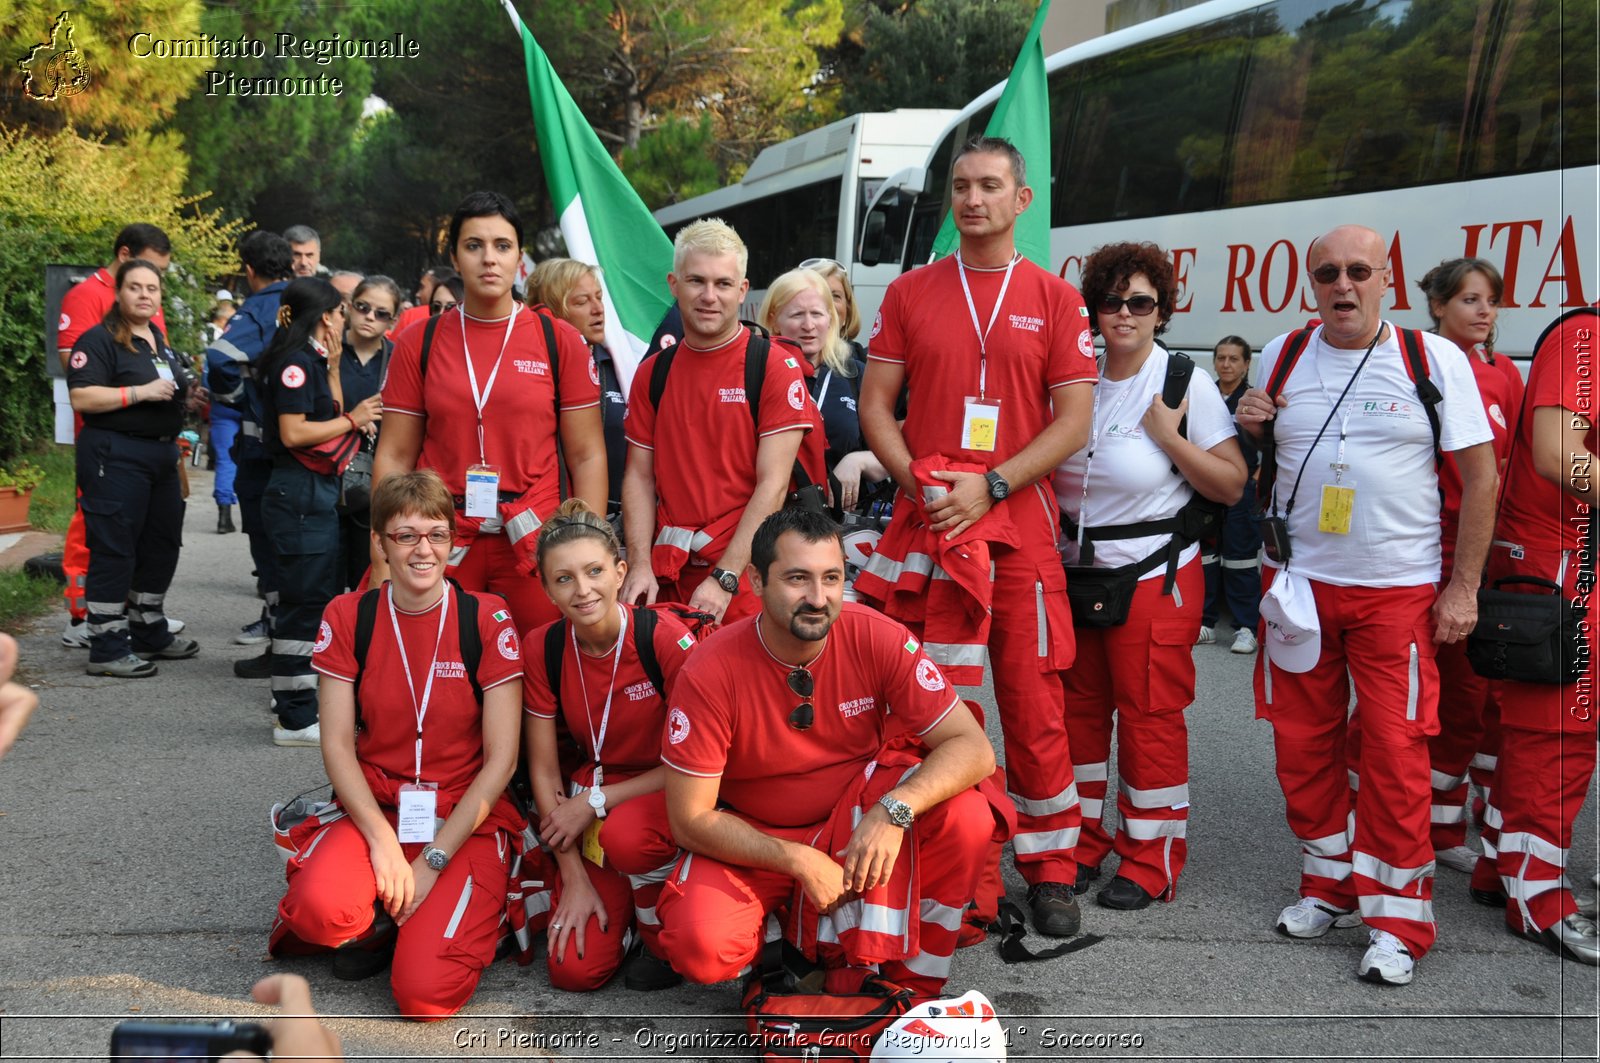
75 635
175 627
1457 858
310 735
1311 917
1387 961
1207 636
1575 937
1244 641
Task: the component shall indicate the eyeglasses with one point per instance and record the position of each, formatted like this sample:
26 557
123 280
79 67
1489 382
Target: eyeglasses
1138 305
437 537
820 263
435 309
367 309
803 715
1356 271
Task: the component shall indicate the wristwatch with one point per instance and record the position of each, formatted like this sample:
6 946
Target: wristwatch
998 487
436 857
728 581
597 801
900 813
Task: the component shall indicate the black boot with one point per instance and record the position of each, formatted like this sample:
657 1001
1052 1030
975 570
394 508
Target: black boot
225 519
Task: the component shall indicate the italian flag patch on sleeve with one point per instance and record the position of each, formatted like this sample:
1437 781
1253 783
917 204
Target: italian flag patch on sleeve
911 645
685 642
791 363
501 616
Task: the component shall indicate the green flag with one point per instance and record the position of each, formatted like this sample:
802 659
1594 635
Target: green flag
1023 117
603 220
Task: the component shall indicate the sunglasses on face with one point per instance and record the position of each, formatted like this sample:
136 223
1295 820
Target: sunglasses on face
366 309
1356 271
803 715
438 537
439 308
1138 305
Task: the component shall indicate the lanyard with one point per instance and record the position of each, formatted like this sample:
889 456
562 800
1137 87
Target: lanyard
599 741
1338 464
481 399
822 392
421 709
983 333
1095 432
1295 491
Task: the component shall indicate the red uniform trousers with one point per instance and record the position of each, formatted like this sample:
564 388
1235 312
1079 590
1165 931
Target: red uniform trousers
1547 756
442 949
75 551
1031 645
1379 857
714 915
1469 715
640 854
1143 673
491 565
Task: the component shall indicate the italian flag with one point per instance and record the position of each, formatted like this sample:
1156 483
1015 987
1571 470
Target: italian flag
629 246
1022 116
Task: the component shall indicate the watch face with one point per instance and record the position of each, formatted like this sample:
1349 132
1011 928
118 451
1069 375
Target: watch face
597 799
436 859
728 581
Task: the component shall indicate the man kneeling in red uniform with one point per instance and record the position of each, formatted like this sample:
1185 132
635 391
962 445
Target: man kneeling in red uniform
776 741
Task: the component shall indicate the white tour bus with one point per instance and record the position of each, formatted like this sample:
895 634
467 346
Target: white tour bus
1233 132
806 197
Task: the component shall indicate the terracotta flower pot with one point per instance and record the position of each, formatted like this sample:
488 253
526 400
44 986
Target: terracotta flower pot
14 509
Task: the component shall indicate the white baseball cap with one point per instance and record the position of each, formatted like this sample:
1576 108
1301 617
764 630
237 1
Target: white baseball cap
224 296
942 1031
1293 634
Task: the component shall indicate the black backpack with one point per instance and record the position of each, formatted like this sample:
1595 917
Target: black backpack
643 626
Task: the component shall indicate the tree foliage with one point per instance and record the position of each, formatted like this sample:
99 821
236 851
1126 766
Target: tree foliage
926 53
672 162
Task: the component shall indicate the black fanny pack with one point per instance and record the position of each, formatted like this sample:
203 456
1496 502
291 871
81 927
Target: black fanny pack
1101 597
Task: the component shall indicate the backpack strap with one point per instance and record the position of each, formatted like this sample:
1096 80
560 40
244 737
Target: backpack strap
366 620
644 644
555 640
755 370
1293 347
1416 358
469 638
427 345
658 374
1180 368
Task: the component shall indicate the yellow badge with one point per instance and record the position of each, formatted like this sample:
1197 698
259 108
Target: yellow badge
980 423
592 851
1338 508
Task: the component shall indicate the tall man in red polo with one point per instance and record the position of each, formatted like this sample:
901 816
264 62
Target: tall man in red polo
1358 493
775 743
700 475
1001 369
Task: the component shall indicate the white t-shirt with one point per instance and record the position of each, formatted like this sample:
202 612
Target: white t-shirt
1394 531
1130 477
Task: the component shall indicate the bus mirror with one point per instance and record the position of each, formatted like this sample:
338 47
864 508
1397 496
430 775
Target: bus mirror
872 239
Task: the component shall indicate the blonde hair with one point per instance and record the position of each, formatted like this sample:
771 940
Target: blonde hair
574 520
552 281
835 352
850 327
708 236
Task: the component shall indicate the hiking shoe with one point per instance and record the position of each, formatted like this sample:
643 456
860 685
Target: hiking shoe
368 954
254 667
1311 917
646 972
1207 636
1054 908
310 735
1574 938
1086 876
1244 641
1487 898
253 633
1388 962
1124 894
175 627
129 667
1457 858
176 650
225 520
75 635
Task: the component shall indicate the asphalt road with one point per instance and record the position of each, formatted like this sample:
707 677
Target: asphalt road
138 879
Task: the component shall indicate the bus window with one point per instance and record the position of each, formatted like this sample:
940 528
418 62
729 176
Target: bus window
934 204
783 229
1150 131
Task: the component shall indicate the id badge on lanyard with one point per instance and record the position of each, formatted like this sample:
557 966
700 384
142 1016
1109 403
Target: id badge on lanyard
980 414
592 850
164 370
1338 508
419 812
980 423
483 491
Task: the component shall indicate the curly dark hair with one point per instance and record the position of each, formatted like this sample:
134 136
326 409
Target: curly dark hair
1108 269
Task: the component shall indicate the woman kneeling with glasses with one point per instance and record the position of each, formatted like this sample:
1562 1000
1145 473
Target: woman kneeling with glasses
419 738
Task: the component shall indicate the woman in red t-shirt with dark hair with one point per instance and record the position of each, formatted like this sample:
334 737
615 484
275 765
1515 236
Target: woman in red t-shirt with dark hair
1547 736
607 822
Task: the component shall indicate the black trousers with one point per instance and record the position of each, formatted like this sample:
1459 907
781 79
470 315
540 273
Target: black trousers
298 511
133 519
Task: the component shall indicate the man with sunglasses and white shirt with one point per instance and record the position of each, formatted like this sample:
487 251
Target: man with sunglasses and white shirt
776 744
1356 499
